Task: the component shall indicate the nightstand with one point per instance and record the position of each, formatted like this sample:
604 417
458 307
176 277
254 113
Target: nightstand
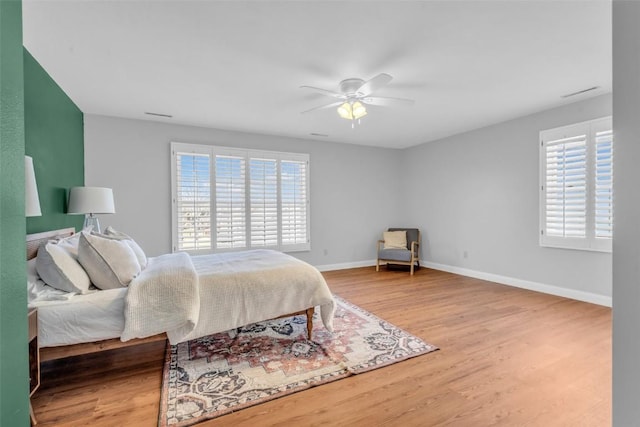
34 359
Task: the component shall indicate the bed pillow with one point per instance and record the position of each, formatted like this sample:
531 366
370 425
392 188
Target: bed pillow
395 239
70 244
110 263
118 235
58 268
38 291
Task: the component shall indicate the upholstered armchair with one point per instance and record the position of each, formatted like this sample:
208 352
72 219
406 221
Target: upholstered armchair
399 248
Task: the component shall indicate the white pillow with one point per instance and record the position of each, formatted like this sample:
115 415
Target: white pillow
32 273
118 235
395 239
59 269
37 290
110 263
70 244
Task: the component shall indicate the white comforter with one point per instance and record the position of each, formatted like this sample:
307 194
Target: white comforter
189 297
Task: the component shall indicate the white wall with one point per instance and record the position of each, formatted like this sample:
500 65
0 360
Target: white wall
626 246
477 193
354 189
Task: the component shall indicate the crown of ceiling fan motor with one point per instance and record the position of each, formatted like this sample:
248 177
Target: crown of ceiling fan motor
350 87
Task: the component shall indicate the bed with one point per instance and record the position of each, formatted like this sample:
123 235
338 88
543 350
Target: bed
179 297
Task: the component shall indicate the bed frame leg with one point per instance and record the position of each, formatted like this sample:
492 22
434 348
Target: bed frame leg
310 322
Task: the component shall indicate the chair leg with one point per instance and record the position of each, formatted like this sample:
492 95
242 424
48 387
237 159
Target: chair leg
411 269
377 265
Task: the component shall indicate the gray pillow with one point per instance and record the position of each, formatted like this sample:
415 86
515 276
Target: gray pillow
58 268
110 263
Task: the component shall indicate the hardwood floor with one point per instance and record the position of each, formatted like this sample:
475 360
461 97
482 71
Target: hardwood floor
507 357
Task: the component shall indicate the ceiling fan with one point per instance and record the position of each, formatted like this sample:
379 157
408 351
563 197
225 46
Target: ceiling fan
355 94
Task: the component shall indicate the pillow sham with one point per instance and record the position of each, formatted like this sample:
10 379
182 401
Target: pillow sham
118 235
59 269
395 239
110 263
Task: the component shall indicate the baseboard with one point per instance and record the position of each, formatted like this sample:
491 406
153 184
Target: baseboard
524 284
503 280
346 265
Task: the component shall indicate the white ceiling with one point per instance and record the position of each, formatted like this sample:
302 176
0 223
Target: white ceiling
239 65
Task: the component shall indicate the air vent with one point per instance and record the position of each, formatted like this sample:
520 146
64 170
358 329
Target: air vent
318 134
158 114
580 92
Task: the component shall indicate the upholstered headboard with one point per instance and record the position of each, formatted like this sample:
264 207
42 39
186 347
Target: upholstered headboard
35 240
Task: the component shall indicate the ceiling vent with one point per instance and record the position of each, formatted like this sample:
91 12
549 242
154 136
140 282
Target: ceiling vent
580 92
158 114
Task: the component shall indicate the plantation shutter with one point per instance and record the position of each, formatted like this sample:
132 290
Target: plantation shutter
294 202
191 200
227 199
576 201
230 202
566 187
603 194
264 201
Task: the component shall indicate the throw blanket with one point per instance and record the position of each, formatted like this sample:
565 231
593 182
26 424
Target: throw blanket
231 290
164 297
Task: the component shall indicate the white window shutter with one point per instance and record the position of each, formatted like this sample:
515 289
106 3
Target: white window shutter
566 187
576 201
230 202
228 199
263 187
192 208
603 194
294 202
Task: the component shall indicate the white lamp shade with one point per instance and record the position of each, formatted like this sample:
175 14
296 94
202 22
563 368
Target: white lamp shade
31 202
91 200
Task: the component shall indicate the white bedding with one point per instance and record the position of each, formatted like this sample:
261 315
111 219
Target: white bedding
81 318
236 289
241 288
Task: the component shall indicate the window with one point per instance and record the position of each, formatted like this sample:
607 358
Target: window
576 183
232 199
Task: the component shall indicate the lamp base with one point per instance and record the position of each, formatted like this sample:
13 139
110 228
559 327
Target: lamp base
91 223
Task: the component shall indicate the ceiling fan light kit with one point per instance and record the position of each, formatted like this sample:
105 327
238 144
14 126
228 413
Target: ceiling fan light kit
355 94
352 110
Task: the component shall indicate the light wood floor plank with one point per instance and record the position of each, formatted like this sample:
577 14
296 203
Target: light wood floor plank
507 357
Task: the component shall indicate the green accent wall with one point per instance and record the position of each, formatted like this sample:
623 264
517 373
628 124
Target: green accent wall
54 137
14 377
40 120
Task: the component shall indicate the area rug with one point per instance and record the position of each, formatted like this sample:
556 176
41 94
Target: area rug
222 373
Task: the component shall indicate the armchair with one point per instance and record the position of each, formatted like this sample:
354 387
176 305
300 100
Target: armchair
403 256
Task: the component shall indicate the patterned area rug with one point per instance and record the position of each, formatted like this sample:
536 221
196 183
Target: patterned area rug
225 372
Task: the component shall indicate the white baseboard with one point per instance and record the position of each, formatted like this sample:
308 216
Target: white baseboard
524 284
346 265
504 280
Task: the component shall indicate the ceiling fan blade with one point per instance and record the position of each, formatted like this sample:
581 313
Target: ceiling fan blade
325 92
387 102
374 84
322 107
